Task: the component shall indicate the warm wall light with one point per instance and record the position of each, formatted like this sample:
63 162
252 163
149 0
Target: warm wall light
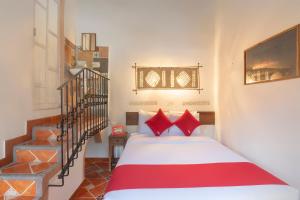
152 78
88 41
183 79
166 78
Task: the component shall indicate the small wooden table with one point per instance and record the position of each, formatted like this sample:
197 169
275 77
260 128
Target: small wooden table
113 141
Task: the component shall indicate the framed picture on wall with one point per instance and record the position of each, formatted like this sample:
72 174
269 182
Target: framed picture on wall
276 58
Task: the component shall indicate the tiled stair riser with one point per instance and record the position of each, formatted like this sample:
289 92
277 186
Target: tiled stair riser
48 134
13 187
24 179
35 152
36 156
34 160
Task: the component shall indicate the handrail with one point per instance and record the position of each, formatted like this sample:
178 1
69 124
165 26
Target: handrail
74 76
84 113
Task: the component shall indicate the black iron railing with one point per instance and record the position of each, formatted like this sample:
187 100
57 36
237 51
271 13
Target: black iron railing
84 113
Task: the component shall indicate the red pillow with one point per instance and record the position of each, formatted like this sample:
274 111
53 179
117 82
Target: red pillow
187 123
159 123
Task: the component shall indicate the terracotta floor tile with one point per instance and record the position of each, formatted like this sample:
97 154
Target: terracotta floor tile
17 168
23 198
91 168
42 134
82 192
97 176
102 165
45 155
37 168
54 159
30 191
24 156
42 143
3 187
85 182
105 174
46 134
93 175
22 186
99 190
96 160
97 181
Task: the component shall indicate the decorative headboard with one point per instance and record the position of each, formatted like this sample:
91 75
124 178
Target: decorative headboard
206 118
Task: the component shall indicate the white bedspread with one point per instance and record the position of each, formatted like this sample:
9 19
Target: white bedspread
142 149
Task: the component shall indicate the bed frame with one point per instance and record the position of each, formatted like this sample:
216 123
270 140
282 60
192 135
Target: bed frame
206 118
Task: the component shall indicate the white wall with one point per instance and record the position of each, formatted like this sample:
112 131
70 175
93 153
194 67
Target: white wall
72 182
98 150
260 121
70 13
153 33
16 60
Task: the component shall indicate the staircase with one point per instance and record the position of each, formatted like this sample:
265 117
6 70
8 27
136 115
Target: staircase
34 163
46 159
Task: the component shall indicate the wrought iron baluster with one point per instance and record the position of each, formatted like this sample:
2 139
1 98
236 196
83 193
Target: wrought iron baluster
80 109
76 114
67 124
82 116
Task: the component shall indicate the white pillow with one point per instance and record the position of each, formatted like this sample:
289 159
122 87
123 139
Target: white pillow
143 128
175 131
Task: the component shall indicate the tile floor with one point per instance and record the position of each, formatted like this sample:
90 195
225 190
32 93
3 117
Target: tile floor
31 155
26 168
96 179
24 188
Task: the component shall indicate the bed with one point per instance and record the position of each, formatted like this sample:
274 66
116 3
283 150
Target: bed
193 168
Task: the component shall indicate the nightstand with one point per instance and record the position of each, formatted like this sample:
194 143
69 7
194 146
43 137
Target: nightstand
113 141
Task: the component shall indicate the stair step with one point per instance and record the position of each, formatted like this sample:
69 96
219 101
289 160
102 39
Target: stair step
38 161
13 187
25 180
37 151
21 198
30 168
46 133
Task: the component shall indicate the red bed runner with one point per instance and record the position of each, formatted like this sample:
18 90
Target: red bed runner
189 176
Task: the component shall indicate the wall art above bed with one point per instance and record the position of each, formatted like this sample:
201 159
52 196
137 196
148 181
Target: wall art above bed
276 58
167 78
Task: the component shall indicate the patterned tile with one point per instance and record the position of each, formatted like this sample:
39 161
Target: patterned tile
42 143
98 190
26 168
97 177
3 187
17 168
96 168
24 156
17 188
46 135
83 193
40 167
23 198
32 158
36 155
45 155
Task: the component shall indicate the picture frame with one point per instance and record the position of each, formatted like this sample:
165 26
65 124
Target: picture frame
88 41
274 59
